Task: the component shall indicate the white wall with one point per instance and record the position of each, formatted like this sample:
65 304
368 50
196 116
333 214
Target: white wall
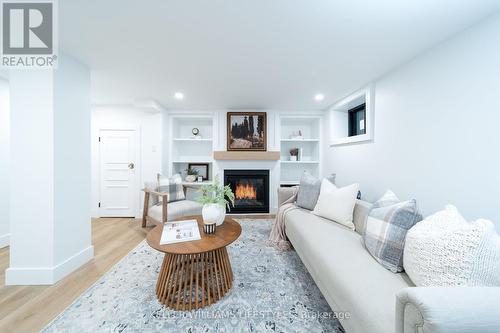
49 185
436 129
4 162
32 152
150 127
72 158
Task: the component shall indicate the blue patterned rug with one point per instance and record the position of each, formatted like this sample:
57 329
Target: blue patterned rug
272 292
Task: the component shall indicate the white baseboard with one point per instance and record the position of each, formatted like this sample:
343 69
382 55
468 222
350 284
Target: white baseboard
72 263
4 240
47 275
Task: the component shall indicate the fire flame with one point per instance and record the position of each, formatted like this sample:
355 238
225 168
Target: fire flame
245 191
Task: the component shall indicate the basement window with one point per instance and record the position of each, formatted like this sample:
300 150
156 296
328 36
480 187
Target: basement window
351 119
357 120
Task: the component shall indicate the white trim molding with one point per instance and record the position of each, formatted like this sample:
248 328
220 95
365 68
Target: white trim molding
4 240
47 275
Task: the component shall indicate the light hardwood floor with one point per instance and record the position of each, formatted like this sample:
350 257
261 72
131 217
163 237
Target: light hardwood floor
30 308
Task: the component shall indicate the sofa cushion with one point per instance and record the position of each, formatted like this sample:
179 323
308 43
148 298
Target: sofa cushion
309 189
349 278
175 210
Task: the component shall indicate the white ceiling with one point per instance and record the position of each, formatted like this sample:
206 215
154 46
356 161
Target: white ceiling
264 54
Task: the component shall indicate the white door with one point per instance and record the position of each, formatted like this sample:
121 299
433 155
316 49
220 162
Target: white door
119 195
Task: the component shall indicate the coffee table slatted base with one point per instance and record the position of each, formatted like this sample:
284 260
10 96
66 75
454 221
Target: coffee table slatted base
191 281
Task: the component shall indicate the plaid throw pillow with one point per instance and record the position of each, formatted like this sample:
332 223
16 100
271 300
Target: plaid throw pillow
172 186
386 228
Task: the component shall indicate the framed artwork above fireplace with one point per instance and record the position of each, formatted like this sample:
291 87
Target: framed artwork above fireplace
246 131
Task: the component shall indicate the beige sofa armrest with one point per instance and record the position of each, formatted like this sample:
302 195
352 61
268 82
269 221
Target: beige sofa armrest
448 309
285 193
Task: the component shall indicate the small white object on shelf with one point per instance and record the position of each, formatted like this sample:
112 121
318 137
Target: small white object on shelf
180 231
190 178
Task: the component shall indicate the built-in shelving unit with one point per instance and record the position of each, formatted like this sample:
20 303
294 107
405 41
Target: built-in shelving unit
186 148
183 148
309 142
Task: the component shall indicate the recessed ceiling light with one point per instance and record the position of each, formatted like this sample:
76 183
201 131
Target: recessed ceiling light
319 97
179 95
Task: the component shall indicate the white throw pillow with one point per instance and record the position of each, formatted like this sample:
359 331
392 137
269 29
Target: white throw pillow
337 204
446 250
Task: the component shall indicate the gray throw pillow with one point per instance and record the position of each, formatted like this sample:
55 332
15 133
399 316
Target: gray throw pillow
309 190
172 186
386 228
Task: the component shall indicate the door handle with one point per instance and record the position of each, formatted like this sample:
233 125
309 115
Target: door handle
131 166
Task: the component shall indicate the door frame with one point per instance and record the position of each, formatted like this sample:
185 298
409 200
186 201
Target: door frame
138 166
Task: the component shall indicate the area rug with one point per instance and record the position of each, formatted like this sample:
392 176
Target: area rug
272 292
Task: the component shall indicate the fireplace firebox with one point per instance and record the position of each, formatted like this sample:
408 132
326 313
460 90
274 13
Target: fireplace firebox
250 188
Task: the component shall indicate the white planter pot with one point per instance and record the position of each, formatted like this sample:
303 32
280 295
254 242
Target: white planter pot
214 212
293 158
190 178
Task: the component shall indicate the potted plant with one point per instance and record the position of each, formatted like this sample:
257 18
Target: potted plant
294 152
191 174
215 198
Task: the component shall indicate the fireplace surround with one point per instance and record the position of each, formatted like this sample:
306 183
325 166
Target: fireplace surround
251 190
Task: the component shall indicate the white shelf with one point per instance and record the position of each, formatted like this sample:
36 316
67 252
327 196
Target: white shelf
299 162
195 160
299 140
205 182
289 182
310 145
194 140
184 148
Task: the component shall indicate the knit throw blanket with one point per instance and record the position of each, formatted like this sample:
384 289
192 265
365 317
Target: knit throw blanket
277 237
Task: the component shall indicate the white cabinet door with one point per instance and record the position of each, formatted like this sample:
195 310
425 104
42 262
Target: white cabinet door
118 173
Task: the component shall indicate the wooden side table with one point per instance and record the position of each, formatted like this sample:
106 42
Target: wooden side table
197 273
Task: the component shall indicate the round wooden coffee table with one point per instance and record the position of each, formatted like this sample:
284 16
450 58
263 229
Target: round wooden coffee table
197 273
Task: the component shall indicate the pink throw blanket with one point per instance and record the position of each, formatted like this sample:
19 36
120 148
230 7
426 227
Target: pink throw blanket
277 237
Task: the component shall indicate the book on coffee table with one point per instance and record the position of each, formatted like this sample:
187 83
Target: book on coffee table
180 231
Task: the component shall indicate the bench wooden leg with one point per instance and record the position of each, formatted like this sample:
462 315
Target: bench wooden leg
145 210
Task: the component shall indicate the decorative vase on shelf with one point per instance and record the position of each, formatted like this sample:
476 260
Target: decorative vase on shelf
190 178
214 212
293 158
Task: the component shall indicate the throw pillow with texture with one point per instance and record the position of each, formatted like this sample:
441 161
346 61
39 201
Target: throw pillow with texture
309 189
446 250
386 227
172 186
337 204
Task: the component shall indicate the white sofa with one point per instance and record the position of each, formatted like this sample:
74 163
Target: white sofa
377 299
